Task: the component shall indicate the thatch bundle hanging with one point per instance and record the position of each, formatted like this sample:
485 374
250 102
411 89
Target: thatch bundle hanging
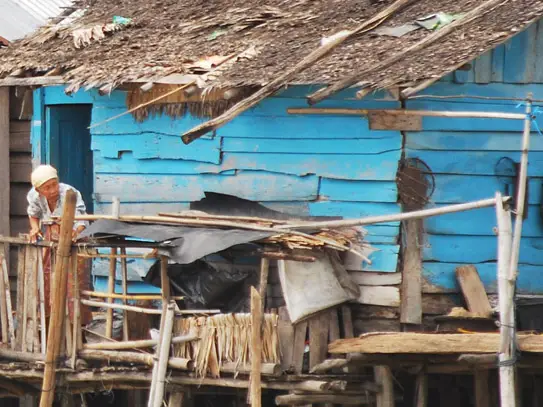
225 338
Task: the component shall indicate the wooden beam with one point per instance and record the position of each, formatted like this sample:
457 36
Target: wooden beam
411 289
474 291
4 162
404 112
284 78
431 343
37 81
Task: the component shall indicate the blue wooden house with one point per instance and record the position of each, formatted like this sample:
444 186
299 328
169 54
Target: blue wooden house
319 164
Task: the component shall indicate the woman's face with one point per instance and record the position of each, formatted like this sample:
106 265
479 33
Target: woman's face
49 190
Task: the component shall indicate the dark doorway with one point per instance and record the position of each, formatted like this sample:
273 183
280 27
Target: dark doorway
69 147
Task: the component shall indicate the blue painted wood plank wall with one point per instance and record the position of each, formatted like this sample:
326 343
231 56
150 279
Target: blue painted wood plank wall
303 165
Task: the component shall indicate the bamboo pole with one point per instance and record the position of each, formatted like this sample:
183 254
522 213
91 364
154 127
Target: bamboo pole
134 357
164 353
151 311
264 271
256 348
76 324
135 297
143 343
370 220
41 288
60 278
7 291
506 372
406 113
111 290
124 273
116 256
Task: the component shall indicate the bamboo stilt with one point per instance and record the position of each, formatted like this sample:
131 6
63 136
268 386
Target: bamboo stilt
124 274
111 290
76 323
60 277
256 348
151 311
164 353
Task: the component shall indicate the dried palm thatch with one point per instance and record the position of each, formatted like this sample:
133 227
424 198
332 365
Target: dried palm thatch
225 338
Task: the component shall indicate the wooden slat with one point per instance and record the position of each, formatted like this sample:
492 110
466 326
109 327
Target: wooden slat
379 295
20 166
411 298
19 142
473 290
4 162
19 126
20 297
300 331
18 202
318 338
370 278
286 338
404 342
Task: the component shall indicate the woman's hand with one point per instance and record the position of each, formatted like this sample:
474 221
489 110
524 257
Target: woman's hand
34 233
77 232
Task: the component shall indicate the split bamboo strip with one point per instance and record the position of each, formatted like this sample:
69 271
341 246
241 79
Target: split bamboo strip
133 357
124 274
41 288
134 297
424 213
143 343
164 355
76 323
60 278
152 311
256 348
407 113
111 290
7 291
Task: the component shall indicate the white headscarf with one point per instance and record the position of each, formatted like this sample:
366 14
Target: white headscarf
42 174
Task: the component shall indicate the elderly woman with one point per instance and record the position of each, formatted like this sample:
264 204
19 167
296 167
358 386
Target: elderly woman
45 203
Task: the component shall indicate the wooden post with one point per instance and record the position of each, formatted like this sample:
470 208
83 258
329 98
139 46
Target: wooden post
482 391
164 355
411 298
3 302
164 281
264 271
18 345
176 399
383 377
58 309
421 390
256 348
111 290
124 272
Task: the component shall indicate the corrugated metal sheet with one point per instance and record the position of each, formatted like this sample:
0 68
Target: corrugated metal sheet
20 17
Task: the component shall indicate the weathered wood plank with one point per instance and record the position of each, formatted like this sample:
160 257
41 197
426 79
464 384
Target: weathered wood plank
384 260
482 390
538 75
4 162
18 202
166 188
432 343
354 209
286 338
440 278
411 289
379 295
473 290
298 346
498 61
376 325
312 146
483 68
468 141
20 167
347 321
374 312
473 162
153 145
520 57
369 278
359 191
319 327
379 167
19 126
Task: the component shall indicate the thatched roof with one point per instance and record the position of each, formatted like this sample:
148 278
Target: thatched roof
167 37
